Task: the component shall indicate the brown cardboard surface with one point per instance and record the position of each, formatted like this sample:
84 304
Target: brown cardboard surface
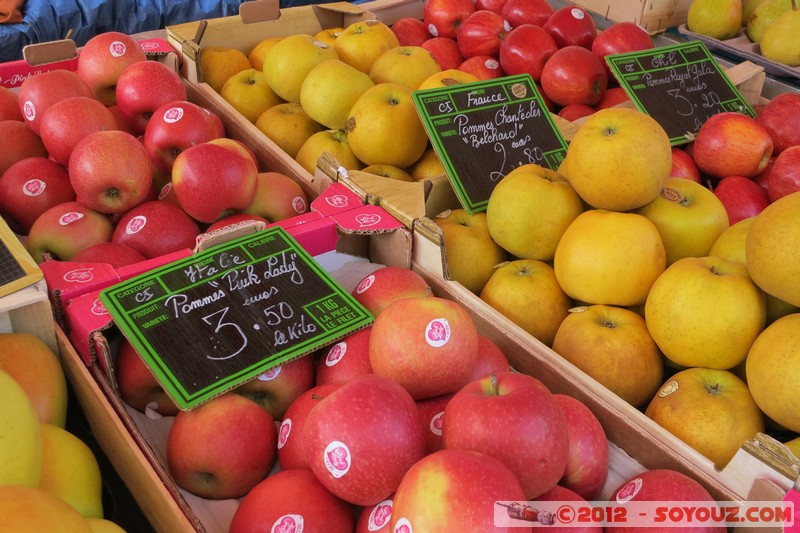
652 15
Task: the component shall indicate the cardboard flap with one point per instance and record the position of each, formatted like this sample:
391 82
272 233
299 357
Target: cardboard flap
50 52
259 11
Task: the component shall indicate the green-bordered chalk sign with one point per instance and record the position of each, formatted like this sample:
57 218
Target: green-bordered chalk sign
680 86
482 130
210 322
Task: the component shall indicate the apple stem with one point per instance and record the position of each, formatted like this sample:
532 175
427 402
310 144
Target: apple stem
493 377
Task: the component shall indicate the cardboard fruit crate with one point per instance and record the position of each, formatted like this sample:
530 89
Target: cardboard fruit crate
653 15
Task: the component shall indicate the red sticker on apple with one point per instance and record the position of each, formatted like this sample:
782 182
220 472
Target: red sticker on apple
288 523
380 515
365 284
403 526
437 423
437 332
117 49
629 491
283 432
173 114
69 218
577 13
29 110
337 458
336 353
165 190
299 204
33 187
79 275
135 224
270 374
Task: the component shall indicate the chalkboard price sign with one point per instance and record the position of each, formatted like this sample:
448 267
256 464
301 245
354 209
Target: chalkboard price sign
210 322
680 86
482 130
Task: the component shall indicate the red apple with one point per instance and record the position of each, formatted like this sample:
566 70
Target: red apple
142 88
275 389
291 433
110 171
780 117
9 105
346 359
683 165
429 345
611 97
30 187
574 75
562 494
443 17
291 501
784 177
491 359
526 49
376 518
39 92
481 33
762 178
65 229
571 26
213 179
155 228
138 387
619 38
19 142
362 438
445 51
67 122
174 127
111 253
122 124
410 31
431 414
732 144
482 67
490 5
573 112
587 462
277 197
385 285
103 59
742 197
519 12
459 476
221 449
534 441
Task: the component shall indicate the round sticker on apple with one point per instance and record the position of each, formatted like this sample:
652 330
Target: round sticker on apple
269 375
173 115
437 332
380 515
437 423
668 388
33 187
288 523
365 284
337 458
299 204
117 49
69 218
135 224
629 491
403 526
577 13
336 353
29 110
283 432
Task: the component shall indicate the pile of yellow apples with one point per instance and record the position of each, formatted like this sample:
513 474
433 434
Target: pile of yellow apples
49 478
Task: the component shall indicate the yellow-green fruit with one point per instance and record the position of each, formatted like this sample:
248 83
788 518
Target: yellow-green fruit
335 143
101 525
34 510
329 91
794 446
748 6
763 16
718 19
780 40
288 61
20 436
71 472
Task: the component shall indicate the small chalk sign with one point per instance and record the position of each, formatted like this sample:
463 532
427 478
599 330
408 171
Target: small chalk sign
680 86
17 268
482 130
207 323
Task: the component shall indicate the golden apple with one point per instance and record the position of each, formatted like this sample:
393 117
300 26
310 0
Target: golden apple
29 509
470 252
710 410
607 257
333 142
328 35
406 65
773 366
20 437
288 61
218 63
384 127
360 43
249 93
794 446
329 91
530 209
428 166
689 218
257 53
388 171
288 126
447 78
705 311
619 159
526 292
102 525
771 249
613 346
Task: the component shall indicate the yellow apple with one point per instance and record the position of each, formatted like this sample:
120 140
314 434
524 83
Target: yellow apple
607 257
689 218
102 525
612 345
705 311
20 436
428 166
384 127
710 410
772 367
328 35
530 209
28 509
288 61
360 43
71 472
470 252
249 93
619 159
447 78
526 292
35 367
388 171
257 53
771 249
288 126
329 91
794 446
218 63
335 143
406 65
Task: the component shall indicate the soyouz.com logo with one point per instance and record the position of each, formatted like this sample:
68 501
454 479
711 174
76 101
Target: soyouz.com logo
661 514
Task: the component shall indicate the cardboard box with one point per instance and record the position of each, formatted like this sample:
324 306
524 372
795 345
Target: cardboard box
652 15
